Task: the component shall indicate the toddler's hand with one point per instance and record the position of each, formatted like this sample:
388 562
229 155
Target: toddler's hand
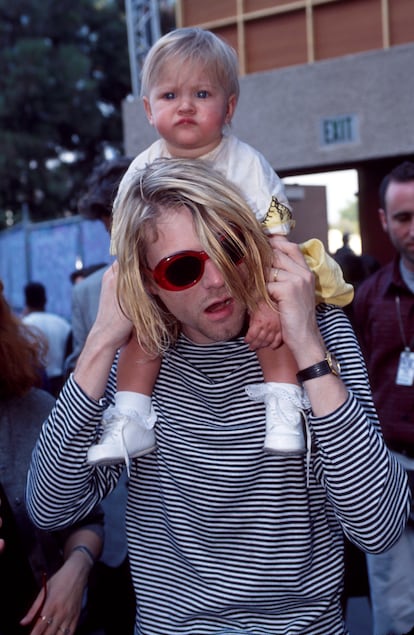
264 328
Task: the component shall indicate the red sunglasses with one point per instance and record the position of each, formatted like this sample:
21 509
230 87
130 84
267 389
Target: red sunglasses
186 268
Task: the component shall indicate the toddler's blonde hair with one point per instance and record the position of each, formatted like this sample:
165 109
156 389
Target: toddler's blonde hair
192 45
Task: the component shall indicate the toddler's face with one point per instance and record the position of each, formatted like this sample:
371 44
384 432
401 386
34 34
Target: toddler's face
188 109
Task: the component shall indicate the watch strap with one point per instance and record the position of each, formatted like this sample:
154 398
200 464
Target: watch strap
317 370
326 366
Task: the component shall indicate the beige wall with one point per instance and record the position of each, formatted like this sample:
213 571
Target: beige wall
281 112
310 212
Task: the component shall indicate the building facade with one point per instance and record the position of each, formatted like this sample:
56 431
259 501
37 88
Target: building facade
325 85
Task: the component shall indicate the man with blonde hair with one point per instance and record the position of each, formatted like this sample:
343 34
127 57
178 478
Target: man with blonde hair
223 537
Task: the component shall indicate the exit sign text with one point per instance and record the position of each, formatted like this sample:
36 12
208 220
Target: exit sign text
339 130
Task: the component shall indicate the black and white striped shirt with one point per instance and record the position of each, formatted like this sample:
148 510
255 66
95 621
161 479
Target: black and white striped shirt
223 538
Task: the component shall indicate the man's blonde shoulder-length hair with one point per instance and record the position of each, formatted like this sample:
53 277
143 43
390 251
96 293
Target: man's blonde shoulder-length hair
218 209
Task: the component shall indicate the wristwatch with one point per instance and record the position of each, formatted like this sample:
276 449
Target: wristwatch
329 365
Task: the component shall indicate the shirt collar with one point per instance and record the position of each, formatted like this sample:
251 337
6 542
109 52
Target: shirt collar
395 282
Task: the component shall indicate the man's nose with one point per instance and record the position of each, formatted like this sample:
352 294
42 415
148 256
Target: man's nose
212 275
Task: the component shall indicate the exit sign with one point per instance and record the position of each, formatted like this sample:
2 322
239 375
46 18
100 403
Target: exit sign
339 130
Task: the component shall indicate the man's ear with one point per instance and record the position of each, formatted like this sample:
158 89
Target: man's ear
147 108
383 218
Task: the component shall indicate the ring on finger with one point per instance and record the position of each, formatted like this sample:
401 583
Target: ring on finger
275 274
48 620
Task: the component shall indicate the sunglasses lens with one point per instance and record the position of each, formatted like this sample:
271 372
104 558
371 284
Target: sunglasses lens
184 271
232 250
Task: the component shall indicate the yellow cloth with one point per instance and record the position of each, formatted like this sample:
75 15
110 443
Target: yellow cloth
330 285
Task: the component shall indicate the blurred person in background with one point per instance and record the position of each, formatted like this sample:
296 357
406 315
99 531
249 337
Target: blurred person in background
111 586
55 328
44 574
95 204
346 247
80 274
384 322
1 539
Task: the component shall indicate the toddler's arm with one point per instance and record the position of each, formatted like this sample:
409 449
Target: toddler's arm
137 371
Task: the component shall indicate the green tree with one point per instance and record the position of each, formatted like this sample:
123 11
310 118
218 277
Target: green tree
64 73
348 218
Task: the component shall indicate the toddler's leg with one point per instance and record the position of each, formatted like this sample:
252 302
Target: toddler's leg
285 404
286 422
129 424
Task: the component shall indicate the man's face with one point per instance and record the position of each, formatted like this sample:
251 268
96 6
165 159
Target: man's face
398 219
207 311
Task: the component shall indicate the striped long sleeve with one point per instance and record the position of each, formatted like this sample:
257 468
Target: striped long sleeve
224 538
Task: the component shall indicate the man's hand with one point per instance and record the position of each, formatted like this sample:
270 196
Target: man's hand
292 286
111 323
110 332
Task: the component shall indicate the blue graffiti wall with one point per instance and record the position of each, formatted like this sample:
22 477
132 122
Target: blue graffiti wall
49 252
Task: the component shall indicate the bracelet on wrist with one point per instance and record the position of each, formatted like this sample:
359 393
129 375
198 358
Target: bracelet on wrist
86 551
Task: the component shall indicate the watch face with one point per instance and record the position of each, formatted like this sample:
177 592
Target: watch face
333 363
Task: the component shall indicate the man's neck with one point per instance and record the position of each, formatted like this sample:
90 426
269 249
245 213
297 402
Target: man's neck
407 275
